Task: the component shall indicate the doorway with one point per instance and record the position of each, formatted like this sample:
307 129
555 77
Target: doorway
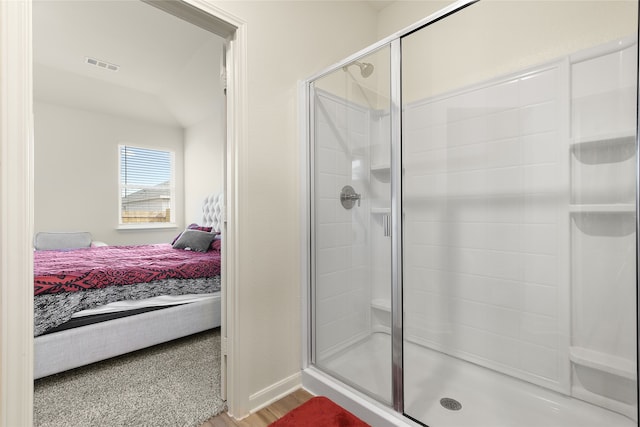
16 388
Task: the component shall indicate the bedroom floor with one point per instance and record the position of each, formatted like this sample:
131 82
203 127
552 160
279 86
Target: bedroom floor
265 416
168 384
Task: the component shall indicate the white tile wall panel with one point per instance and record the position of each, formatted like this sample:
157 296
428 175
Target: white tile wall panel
327 137
502 96
503 125
539 360
538 118
332 259
588 77
489 290
542 269
331 284
481 234
541 208
466 158
540 148
342 282
539 330
540 239
541 299
502 208
423 139
469 131
503 153
604 105
538 88
504 181
498 320
433 161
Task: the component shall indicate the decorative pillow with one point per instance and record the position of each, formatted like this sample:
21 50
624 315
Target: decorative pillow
61 240
216 244
194 240
193 226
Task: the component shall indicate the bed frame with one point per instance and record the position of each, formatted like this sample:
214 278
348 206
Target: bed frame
72 348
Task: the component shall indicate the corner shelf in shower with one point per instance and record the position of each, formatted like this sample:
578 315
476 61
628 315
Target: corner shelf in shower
603 362
382 172
603 208
381 211
608 140
381 304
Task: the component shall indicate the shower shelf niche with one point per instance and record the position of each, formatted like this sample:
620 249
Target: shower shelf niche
381 304
381 315
602 170
603 362
611 140
382 172
382 168
381 211
603 208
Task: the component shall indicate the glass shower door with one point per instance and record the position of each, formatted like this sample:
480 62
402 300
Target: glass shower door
519 205
351 224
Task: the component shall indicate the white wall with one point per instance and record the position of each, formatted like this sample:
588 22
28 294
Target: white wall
501 37
402 13
76 171
287 41
203 164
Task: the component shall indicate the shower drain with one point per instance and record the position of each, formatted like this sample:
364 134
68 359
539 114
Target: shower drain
450 404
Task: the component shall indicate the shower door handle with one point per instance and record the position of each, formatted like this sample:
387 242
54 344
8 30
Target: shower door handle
386 225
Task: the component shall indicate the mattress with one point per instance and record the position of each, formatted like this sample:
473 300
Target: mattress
52 310
69 282
120 309
134 305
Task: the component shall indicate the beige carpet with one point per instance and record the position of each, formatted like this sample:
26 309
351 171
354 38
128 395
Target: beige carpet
172 384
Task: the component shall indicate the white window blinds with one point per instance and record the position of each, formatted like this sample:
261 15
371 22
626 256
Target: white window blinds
147 189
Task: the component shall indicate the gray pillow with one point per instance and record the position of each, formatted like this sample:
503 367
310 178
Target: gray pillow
194 240
46 241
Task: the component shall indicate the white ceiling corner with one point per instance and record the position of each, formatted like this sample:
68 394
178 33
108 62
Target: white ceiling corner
169 68
378 5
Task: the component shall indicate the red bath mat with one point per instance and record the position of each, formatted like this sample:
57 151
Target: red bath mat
319 412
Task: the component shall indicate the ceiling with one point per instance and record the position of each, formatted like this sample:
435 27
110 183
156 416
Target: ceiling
169 69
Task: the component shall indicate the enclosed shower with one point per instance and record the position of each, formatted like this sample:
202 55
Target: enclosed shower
472 217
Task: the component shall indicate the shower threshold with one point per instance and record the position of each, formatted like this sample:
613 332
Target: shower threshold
487 398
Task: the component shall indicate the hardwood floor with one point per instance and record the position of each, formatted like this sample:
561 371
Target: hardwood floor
265 416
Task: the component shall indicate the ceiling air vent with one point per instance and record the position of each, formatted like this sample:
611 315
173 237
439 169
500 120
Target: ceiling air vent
102 64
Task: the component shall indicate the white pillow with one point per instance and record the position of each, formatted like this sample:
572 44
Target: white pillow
44 241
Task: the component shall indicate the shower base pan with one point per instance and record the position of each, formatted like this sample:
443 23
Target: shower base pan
444 391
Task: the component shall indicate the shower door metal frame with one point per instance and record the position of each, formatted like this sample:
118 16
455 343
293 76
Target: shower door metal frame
307 97
397 337
638 217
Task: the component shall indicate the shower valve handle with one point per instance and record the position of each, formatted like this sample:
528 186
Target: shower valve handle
348 197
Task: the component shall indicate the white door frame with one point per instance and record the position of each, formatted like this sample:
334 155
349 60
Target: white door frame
16 199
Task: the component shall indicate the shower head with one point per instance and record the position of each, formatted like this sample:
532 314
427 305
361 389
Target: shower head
366 68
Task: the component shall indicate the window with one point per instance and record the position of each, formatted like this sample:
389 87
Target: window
147 189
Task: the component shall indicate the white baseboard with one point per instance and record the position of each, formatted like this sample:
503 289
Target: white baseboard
276 391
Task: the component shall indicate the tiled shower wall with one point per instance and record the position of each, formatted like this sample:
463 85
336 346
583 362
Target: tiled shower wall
342 280
485 195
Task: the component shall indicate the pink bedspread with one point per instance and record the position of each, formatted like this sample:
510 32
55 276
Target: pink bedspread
90 268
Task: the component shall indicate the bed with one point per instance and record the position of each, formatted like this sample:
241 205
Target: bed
132 297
